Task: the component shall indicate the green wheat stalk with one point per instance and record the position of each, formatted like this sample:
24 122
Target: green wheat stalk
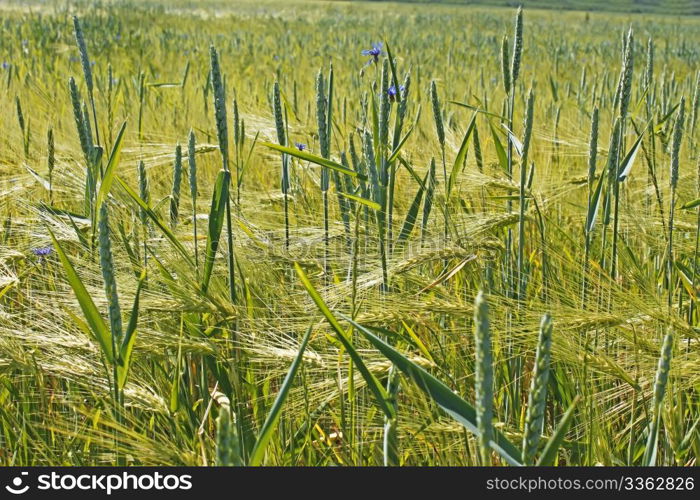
87 71
527 134
222 134
440 131
588 228
50 161
238 143
192 164
282 139
660 382
24 127
110 285
175 192
483 377
675 161
505 60
517 47
321 121
625 96
537 397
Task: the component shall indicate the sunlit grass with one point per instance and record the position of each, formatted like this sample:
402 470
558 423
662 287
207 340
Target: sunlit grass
386 278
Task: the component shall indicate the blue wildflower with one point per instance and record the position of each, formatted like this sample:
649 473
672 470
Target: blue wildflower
42 252
391 91
375 52
300 146
5 65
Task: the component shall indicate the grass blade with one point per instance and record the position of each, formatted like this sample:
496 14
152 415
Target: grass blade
428 204
479 110
110 170
626 166
258 453
156 220
397 150
549 454
363 201
691 204
127 346
92 314
216 224
461 155
318 160
379 392
443 396
595 205
519 148
412 213
502 157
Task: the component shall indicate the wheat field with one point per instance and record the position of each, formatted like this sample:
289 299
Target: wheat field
347 233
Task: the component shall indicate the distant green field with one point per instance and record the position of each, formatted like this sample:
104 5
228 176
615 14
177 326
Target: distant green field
670 7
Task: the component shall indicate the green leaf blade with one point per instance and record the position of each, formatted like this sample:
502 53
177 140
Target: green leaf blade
379 392
318 160
451 403
258 453
92 314
216 224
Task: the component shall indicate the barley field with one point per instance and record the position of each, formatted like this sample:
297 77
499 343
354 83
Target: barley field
344 233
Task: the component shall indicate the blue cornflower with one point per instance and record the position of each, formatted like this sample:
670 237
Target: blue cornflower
300 146
375 52
42 251
5 65
391 91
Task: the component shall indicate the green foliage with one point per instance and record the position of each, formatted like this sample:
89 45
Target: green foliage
120 345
